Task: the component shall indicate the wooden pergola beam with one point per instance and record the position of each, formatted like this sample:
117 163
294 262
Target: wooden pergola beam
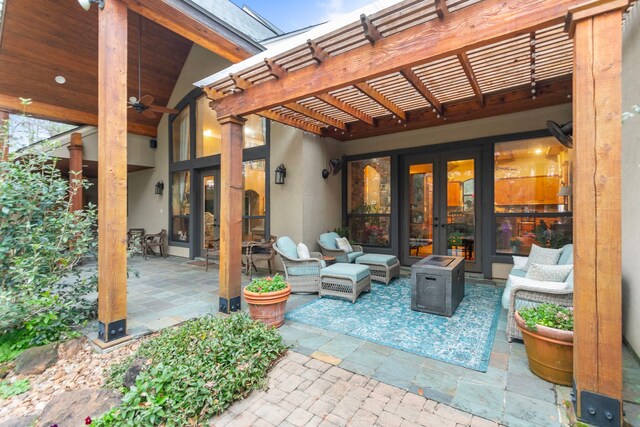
378 97
306 111
65 115
480 24
471 76
290 121
195 25
349 109
418 85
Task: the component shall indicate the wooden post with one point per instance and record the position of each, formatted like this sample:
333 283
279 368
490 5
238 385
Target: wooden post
112 173
75 172
231 194
596 28
4 138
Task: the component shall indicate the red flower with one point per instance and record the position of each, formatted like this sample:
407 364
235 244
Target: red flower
87 421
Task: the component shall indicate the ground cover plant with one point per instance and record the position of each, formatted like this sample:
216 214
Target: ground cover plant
267 284
194 371
549 315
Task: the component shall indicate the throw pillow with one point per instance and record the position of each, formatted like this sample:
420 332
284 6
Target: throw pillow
549 273
541 255
523 281
519 262
343 244
303 251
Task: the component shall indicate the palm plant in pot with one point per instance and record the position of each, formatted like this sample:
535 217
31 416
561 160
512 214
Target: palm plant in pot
267 298
547 332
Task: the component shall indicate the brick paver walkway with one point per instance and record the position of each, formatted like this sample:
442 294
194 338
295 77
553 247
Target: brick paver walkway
303 391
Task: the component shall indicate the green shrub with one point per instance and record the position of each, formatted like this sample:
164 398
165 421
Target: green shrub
195 371
8 389
41 243
550 315
267 284
13 343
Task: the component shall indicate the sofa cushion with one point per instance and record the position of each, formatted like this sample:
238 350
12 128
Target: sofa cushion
354 255
355 272
306 270
343 244
566 257
519 261
328 240
523 281
303 251
379 259
518 272
540 255
549 273
287 247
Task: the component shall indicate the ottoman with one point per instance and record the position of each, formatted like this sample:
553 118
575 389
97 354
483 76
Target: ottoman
344 280
383 267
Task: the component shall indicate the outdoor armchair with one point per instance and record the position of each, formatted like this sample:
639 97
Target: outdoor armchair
260 251
302 274
329 247
150 241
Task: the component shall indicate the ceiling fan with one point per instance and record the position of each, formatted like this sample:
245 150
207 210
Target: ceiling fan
335 166
144 104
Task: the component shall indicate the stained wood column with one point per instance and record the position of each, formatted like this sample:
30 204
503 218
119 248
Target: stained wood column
231 195
596 28
112 172
4 138
75 172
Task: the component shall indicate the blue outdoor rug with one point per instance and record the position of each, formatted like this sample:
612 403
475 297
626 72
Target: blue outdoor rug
384 316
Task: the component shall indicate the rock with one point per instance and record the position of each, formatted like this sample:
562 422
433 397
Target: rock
5 368
138 365
18 422
36 360
70 349
71 408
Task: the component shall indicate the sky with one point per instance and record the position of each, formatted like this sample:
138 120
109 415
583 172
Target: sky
289 15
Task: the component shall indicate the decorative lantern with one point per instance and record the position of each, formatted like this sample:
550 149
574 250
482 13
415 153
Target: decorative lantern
159 187
281 173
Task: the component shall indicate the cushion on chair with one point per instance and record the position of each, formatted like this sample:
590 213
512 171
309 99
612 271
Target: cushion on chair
540 255
328 240
549 273
354 255
379 259
355 272
519 261
538 284
518 272
343 244
287 247
303 251
566 257
309 270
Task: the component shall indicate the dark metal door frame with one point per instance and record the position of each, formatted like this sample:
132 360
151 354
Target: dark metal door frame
198 214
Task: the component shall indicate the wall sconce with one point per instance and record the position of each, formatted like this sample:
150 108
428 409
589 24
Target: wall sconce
159 187
86 4
281 173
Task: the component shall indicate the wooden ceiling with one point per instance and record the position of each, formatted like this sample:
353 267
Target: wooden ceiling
412 65
42 39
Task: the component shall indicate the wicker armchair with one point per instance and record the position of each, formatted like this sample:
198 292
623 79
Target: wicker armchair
530 296
302 274
328 246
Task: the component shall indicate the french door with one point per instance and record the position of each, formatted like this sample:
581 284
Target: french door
208 209
440 213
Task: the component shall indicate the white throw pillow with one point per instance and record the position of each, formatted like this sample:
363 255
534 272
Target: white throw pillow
549 273
519 262
523 281
303 251
343 244
540 255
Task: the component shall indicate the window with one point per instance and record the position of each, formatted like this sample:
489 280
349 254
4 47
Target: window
254 130
532 201
253 210
369 201
181 136
208 131
180 207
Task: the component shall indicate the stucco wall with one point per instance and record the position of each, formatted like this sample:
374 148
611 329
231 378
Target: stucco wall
630 181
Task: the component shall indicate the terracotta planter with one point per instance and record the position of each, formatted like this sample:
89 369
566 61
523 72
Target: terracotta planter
550 352
268 307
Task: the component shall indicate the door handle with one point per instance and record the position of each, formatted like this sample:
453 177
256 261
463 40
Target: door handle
443 225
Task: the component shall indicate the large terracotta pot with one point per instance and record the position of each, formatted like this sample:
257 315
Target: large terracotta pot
268 307
550 352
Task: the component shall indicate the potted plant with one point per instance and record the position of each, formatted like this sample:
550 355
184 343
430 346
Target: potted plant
267 298
547 332
515 245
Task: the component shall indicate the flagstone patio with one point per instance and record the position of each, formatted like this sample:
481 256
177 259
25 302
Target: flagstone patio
171 290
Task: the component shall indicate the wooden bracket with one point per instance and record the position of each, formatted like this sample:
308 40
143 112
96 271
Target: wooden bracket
441 9
240 83
371 32
317 52
275 70
590 9
213 94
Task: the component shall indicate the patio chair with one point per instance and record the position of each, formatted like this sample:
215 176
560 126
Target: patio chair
150 241
302 274
212 250
329 247
260 251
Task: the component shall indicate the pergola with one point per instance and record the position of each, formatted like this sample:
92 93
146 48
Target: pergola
422 63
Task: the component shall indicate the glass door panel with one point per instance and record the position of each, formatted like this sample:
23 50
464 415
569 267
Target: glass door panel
461 217
210 209
421 210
